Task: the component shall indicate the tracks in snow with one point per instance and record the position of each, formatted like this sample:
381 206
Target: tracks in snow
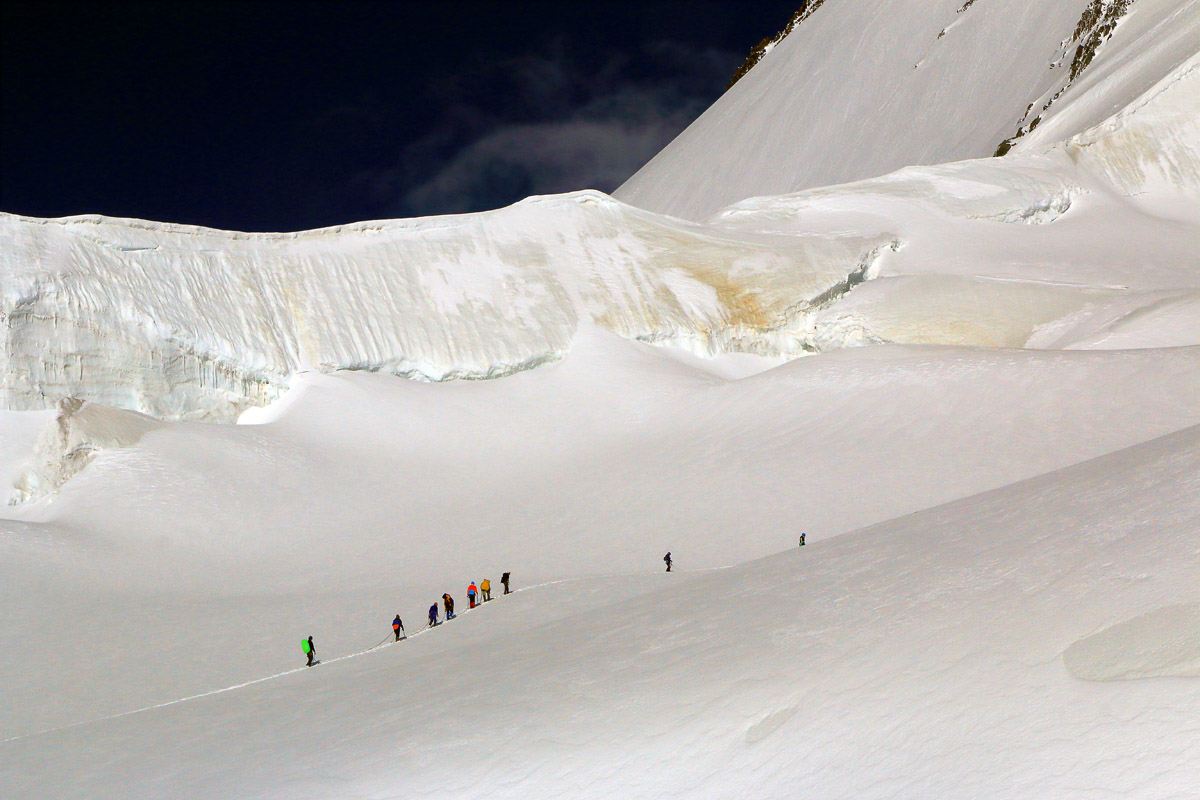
381 646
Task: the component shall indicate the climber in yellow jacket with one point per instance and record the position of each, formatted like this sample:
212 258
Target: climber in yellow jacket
485 590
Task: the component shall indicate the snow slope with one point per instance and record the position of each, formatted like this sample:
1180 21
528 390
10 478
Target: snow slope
920 657
864 87
370 495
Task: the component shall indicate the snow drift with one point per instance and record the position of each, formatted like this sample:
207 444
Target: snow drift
1164 643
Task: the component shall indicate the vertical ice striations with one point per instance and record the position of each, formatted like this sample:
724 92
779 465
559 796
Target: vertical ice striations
184 322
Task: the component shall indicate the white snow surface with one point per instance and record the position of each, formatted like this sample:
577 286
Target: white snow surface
922 656
992 442
865 87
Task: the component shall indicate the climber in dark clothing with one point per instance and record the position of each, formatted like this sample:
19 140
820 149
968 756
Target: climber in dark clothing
433 615
504 581
398 627
667 558
448 602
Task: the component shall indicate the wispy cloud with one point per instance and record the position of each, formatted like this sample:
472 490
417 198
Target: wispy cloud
548 123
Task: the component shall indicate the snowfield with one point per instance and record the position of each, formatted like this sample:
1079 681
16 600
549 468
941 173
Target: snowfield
370 495
972 382
918 657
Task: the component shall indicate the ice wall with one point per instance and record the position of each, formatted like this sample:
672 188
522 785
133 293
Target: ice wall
185 322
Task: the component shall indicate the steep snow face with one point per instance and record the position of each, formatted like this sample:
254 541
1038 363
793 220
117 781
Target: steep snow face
863 87
184 322
1039 249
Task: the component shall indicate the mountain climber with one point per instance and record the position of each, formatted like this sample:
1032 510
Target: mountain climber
433 615
667 558
398 627
471 590
448 602
309 649
802 540
504 581
485 590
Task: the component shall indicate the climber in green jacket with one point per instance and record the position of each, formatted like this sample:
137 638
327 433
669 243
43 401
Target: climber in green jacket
310 650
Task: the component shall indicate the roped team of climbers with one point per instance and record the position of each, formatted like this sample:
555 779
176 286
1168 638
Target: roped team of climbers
476 595
482 592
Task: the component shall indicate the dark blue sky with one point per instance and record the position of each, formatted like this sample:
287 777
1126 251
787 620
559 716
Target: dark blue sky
283 116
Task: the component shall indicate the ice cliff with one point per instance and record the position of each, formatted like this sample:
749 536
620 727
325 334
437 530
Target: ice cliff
177 321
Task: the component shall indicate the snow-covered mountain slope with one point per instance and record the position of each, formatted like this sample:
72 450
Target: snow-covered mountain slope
370 492
864 87
1080 245
981 648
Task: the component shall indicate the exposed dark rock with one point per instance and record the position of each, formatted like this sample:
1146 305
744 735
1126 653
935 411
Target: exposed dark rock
1095 27
807 7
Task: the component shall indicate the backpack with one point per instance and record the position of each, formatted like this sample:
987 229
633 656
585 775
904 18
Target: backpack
305 646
